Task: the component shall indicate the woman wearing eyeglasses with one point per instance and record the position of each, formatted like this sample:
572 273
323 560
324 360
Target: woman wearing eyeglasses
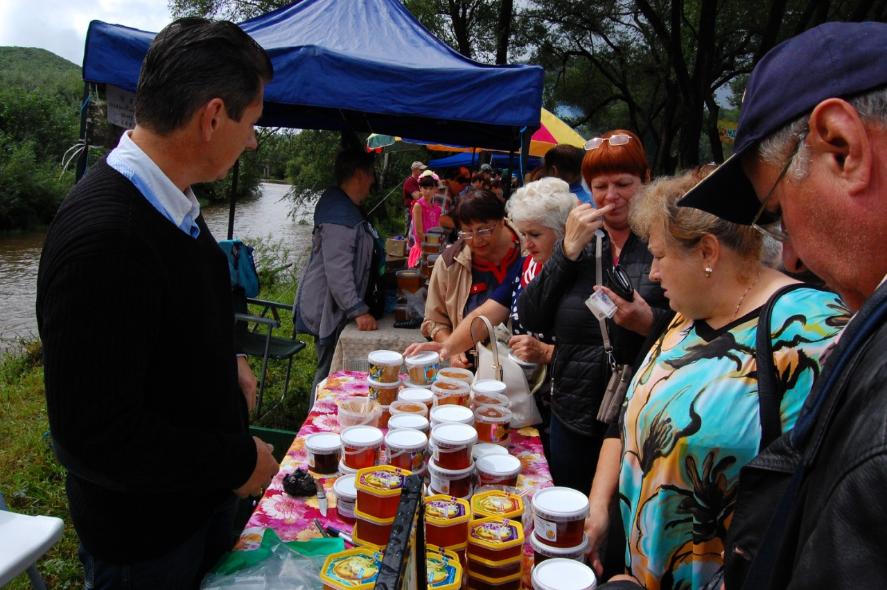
615 168
696 411
485 258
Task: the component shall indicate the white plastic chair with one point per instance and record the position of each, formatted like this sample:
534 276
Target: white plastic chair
23 540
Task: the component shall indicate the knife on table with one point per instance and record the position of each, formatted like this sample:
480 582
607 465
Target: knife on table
321 498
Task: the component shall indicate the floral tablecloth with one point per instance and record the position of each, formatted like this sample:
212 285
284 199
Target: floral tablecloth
293 518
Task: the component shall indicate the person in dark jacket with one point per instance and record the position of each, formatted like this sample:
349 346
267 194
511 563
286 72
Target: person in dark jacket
142 389
811 152
554 303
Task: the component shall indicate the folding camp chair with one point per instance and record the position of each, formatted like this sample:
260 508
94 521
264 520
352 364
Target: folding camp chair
23 540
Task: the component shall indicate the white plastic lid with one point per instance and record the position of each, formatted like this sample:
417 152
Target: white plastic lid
453 434
344 487
492 414
406 439
409 420
382 384
323 442
385 357
429 357
489 386
415 394
451 413
483 449
552 551
561 502
346 471
499 465
563 574
362 436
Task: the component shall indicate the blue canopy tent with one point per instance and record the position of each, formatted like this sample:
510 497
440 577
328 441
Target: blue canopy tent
364 66
468 160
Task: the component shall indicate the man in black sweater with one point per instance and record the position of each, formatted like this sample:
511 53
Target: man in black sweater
134 311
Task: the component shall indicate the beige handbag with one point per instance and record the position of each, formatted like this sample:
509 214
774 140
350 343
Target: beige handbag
493 363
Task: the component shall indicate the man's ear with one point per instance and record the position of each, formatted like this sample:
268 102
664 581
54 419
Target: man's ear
838 135
210 117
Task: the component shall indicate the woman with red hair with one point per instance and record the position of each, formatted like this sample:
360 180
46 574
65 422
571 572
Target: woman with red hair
614 167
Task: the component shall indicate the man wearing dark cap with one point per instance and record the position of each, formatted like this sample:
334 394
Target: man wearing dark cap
810 169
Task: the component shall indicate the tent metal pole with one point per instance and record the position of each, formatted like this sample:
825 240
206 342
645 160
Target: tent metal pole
232 199
82 161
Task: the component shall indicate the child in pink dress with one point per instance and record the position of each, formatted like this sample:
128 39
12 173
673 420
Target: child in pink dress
426 215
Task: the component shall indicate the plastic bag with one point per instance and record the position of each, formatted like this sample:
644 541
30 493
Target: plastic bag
274 565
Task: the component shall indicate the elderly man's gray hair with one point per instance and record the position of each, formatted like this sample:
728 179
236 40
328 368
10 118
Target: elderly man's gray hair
871 106
547 201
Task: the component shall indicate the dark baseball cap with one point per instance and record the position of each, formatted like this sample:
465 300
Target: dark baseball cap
833 60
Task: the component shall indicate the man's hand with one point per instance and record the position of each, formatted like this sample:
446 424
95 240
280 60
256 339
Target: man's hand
530 349
417 347
264 471
635 315
365 322
247 382
582 222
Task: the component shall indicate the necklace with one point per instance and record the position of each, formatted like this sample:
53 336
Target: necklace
741 299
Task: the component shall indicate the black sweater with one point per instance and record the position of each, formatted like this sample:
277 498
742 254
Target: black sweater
140 372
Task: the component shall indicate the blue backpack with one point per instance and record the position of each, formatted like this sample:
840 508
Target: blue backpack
242 266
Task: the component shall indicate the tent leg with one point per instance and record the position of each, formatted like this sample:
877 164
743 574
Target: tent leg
84 134
232 199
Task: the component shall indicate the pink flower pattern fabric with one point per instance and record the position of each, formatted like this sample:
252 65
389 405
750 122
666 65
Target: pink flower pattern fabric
293 518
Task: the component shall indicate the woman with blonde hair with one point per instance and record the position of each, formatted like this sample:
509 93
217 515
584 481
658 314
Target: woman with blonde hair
693 416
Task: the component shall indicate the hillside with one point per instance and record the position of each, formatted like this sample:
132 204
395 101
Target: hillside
30 68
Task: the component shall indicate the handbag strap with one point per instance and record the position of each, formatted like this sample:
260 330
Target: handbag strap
598 280
497 366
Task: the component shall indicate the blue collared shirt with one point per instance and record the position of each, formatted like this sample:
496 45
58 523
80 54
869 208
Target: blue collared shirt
181 208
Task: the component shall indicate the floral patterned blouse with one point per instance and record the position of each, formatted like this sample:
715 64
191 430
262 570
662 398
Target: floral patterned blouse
691 422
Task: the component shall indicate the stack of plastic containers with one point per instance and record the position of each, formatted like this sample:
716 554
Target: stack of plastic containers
443 569
407 448
559 523
446 523
378 495
384 379
360 446
494 554
451 468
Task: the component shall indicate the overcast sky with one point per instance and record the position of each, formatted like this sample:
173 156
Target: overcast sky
60 25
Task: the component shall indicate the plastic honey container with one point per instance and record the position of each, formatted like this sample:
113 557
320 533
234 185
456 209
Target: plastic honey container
491 423
369 529
457 374
482 449
385 416
559 516
489 399
446 520
443 569
450 392
563 574
498 470
495 539
494 570
345 470
497 504
358 411
346 497
383 392
416 394
353 569
361 445
479 582
407 449
452 482
324 452
409 281
384 366
452 443
451 413
378 490
422 368
414 421
541 551
483 386
402 407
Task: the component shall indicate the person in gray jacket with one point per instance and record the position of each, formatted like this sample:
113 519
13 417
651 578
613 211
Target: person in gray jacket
344 254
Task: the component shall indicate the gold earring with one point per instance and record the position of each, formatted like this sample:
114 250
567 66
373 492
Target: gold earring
708 271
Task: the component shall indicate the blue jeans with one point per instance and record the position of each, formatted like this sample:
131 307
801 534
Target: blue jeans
183 567
573 456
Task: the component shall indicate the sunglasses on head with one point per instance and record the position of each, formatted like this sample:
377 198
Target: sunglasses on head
615 139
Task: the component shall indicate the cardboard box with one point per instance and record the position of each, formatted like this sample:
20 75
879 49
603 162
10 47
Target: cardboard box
396 247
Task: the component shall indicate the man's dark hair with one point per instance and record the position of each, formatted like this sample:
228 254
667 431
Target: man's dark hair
190 62
567 159
349 161
477 206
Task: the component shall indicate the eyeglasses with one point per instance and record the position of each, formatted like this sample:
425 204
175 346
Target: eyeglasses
616 139
484 232
774 228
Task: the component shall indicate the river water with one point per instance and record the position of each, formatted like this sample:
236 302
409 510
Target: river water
270 217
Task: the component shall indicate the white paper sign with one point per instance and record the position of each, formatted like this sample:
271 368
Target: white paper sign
121 106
